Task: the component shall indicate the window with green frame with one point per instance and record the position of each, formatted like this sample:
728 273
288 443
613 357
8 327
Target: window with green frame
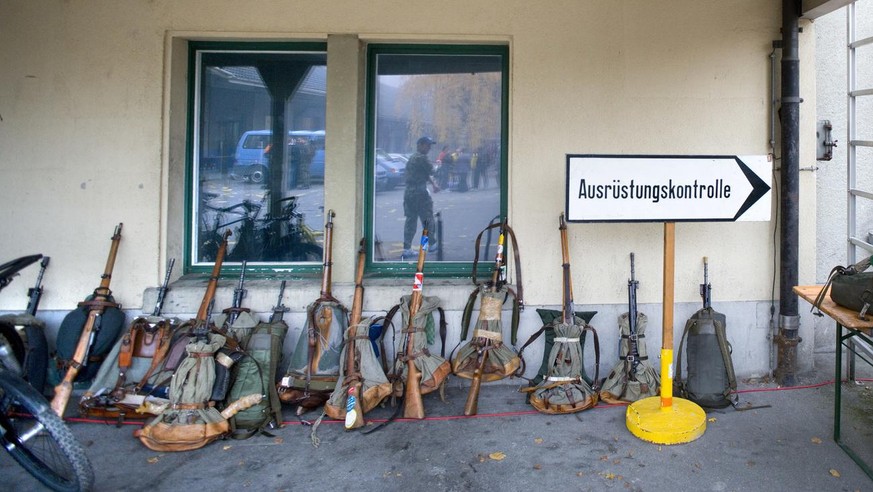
435 154
256 154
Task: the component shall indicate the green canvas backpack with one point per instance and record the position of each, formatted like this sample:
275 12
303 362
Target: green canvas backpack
256 373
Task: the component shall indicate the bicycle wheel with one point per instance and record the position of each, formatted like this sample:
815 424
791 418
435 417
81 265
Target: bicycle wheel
39 440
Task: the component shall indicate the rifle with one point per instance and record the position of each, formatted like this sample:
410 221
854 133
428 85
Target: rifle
413 407
239 294
498 277
325 315
706 287
320 317
35 292
280 309
633 350
162 291
568 310
201 322
96 305
354 411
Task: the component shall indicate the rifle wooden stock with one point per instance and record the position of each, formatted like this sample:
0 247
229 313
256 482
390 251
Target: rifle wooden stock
97 305
471 407
413 407
354 410
472 404
212 286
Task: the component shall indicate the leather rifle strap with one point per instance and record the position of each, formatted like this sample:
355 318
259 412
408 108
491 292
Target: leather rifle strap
160 354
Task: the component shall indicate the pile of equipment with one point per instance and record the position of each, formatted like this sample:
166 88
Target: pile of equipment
203 380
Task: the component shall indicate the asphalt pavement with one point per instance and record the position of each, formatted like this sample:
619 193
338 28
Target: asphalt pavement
784 444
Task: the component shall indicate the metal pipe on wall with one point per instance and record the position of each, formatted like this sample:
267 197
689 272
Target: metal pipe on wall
789 320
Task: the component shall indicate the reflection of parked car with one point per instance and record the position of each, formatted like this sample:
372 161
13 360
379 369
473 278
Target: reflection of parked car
395 170
400 157
252 157
381 179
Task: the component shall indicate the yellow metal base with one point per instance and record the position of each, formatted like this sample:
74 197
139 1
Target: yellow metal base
681 422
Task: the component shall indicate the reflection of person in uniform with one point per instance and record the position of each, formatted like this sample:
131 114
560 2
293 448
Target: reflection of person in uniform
417 203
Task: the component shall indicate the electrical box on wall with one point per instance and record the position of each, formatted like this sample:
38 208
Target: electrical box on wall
824 143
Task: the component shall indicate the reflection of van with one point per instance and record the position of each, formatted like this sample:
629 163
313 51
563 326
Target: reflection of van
252 157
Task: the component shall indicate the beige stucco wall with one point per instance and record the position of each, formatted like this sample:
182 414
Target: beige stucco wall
92 132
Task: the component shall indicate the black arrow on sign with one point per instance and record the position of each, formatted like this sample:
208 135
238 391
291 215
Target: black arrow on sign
759 187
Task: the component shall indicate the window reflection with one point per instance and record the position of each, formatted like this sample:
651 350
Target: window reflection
260 149
437 141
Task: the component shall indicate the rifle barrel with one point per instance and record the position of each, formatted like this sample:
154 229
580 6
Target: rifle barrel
328 256
35 293
567 291
413 407
632 318
705 287
110 262
279 310
162 291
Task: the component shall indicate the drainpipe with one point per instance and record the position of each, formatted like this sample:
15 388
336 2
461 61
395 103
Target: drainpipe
789 320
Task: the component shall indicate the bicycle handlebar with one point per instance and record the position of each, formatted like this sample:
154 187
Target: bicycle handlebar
10 269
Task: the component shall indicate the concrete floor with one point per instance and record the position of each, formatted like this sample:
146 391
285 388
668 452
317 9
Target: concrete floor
787 446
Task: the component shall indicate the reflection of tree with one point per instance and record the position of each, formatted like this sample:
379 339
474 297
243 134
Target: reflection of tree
458 109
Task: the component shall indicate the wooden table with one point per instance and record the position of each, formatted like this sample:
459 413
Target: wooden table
855 328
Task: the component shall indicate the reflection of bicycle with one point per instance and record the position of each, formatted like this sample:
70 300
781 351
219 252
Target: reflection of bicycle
284 238
29 430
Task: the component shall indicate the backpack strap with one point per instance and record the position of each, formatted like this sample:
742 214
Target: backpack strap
678 381
819 299
467 316
725 348
388 322
125 355
519 373
595 384
517 306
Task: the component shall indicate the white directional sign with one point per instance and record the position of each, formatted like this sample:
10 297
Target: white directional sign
619 188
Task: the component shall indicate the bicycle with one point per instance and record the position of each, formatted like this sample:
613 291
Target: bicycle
36 437
283 238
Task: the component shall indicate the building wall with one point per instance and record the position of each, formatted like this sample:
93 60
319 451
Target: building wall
92 100
831 104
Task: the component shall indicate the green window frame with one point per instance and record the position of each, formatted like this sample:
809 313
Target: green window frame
239 54
446 61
